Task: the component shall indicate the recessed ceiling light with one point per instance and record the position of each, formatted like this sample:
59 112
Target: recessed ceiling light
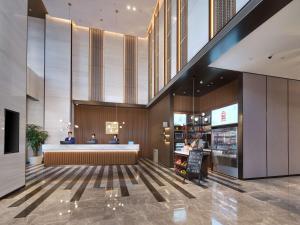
128 7
201 81
133 8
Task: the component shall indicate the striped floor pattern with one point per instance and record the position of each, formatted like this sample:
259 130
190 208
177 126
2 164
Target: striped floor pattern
42 183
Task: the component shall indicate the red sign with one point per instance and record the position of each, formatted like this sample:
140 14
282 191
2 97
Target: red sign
223 116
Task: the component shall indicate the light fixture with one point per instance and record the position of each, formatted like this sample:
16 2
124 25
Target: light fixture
121 127
76 126
201 81
128 7
203 114
123 122
205 119
134 8
196 119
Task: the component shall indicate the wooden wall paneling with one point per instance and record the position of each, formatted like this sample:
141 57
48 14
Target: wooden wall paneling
277 127
159 113
92 118
130 55
225 95
150 63
96 64
183 32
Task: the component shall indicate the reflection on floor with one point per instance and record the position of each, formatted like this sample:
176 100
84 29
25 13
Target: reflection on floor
147 194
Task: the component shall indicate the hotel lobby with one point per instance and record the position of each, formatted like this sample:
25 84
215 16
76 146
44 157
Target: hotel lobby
149 112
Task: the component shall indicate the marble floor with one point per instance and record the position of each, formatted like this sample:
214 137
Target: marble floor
147 194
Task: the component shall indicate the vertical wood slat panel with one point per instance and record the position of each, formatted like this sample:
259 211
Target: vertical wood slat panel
156 51
92 118
90 158
223 11
130 69
150 52
96 65
167 27
184 31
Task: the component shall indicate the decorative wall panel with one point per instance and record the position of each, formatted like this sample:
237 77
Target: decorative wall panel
113 67
96 65
130 69
91 119
80 63
142 78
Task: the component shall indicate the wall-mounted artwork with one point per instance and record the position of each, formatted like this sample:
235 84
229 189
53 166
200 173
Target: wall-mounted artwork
111 127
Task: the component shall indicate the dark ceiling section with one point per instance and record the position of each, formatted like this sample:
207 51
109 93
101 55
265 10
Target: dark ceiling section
256 13
206 82
36 8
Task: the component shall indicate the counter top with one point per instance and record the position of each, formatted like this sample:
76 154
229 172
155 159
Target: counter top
188 152
90 147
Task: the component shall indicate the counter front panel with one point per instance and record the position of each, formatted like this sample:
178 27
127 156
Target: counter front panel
90 154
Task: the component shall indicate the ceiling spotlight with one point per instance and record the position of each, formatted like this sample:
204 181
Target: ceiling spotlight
201 81
133 8
203 114
128 7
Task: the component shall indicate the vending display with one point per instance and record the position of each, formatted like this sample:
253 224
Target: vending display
224 150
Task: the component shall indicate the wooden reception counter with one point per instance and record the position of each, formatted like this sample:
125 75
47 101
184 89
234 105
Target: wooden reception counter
90 154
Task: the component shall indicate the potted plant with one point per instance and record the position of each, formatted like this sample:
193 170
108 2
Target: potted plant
35 137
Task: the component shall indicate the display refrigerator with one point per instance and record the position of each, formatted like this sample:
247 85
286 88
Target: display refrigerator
225 140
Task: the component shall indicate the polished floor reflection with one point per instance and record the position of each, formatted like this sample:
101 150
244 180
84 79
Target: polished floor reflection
147 194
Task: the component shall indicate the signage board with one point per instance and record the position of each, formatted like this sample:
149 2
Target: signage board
179 119
225 116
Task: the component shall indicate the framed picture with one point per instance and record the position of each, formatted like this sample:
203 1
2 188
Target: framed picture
111 127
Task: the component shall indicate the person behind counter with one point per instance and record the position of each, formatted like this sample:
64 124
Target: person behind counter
115 140
187 145
70 139
93 139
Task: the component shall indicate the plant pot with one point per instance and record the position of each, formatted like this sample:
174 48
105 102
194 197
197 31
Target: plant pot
34 160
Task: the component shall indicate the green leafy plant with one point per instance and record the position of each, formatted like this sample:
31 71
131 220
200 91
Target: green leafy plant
35 137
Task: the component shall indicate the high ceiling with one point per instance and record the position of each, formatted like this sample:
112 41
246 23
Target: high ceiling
109 15
272 49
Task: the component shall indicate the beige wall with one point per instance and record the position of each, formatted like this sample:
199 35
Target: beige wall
57 78
13 36
80 63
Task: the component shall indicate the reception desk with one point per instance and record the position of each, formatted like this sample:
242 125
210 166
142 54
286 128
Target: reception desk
90 154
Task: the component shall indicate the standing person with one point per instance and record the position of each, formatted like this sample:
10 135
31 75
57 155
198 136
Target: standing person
70 139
